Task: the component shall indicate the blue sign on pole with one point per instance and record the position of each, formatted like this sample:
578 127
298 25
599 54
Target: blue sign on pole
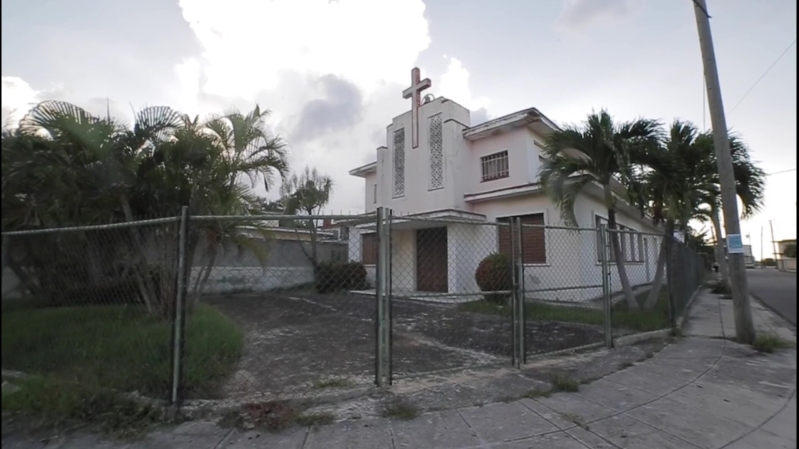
735 244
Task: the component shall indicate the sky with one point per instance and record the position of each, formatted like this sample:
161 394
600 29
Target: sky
332 72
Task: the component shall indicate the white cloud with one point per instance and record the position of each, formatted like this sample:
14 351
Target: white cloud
17 98
248 44
276 52
455 86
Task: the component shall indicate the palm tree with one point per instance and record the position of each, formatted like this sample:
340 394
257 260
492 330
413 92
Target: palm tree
600 152
307 193
675 172
750 182
89 170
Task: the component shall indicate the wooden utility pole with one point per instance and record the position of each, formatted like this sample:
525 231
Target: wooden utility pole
744 327
777 257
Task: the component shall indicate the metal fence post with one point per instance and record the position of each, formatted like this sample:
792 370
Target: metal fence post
381 297
607 307
514 302
389 301
6 242
179 313
519 290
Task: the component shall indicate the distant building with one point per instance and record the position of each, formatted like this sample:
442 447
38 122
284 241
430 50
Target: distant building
749 259
786 263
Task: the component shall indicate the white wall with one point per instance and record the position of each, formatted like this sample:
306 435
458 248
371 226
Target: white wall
418 196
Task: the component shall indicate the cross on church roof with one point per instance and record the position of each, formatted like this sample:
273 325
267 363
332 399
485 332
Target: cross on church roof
414 92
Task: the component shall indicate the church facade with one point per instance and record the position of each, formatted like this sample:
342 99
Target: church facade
448 182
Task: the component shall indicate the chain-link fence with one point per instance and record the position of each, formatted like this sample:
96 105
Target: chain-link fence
303 314
255 308
93 305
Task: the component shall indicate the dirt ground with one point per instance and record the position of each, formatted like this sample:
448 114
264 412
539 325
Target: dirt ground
304 341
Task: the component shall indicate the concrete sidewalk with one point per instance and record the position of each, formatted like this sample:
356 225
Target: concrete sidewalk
701 392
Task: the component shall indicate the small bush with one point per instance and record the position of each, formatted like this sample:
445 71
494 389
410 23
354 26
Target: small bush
495 273
335 276
564 383
720 288
769 342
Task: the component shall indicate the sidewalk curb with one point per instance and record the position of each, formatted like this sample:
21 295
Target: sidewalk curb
773 310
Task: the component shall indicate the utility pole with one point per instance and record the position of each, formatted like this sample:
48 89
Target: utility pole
761 248
774 245
744 326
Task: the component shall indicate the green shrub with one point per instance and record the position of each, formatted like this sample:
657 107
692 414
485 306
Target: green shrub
495 273
335 276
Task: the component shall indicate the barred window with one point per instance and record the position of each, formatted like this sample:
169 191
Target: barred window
534 242
399 163
494 166
630 243
436 153
369 249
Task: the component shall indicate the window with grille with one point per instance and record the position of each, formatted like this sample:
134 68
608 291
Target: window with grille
494 166
399 163
534 242
630 243
436 153
369 249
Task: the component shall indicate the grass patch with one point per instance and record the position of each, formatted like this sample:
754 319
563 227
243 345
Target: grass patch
637 319
625 365
52 402
315 419
564 383
120 347
769 342
399 409
533 394
333 383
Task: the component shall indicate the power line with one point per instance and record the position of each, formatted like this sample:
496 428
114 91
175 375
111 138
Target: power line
781 171
763 76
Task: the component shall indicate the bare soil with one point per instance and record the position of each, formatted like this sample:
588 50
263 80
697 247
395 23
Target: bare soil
302 341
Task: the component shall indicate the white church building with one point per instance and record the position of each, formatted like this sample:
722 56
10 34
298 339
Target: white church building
436 165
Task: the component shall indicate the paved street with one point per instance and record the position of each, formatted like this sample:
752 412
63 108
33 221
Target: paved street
776 289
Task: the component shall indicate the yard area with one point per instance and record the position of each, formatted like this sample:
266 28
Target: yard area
625 320
118 347
288 342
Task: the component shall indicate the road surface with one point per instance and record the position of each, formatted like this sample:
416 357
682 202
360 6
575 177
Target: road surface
776 289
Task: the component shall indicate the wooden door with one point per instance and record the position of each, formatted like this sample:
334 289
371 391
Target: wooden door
431 260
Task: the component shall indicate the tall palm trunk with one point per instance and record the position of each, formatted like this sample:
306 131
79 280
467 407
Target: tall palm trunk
721 257
619 256
660 271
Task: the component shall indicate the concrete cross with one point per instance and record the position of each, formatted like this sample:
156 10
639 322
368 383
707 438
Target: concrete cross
414 92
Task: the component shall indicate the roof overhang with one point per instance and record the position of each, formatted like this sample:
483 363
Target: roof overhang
531 118
364 170
507 192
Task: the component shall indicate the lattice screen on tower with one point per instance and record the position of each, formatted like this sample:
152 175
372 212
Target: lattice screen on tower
399 163
436 153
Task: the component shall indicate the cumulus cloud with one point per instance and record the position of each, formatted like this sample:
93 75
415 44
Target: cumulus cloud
579 14
339 109
331 72
18 96
455 86
247 44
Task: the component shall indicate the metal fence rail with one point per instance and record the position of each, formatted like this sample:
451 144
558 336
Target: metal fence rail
246 308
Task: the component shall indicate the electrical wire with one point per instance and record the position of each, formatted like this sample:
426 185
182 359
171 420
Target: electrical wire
762 76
